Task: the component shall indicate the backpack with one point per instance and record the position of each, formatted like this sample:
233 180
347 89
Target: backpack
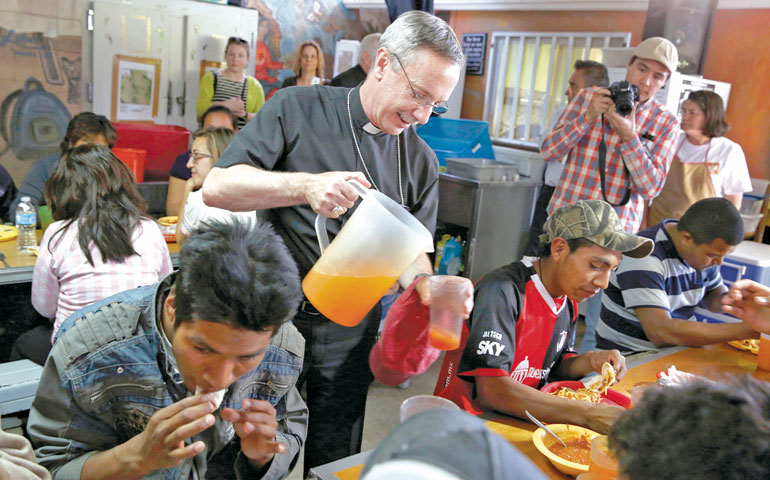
38 122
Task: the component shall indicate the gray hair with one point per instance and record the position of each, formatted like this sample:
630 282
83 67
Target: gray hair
369 44
416 30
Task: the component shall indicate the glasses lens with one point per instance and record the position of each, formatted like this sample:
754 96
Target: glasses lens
440 108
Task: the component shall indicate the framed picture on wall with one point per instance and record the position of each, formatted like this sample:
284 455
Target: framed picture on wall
211 66
135 88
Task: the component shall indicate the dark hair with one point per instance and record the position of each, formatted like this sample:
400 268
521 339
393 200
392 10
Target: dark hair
237 41
572 243
236 274
92 187
708 431
635 58
714 109
88 125
594 73
712 218
319 68
220 109
217 139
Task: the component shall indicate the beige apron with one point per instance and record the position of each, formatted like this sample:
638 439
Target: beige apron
686 183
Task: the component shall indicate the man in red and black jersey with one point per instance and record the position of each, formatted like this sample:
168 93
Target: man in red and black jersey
523 323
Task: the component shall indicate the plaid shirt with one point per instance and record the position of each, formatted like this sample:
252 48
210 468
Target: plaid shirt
63 281
647 160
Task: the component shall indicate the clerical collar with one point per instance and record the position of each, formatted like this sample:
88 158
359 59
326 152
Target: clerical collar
360 120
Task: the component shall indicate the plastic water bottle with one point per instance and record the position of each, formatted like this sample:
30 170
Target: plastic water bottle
26 222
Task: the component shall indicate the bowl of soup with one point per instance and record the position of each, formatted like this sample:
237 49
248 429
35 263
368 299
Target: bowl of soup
572 460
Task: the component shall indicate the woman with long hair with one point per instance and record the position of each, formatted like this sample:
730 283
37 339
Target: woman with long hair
231 87
101 241
308 66
208 145
706 163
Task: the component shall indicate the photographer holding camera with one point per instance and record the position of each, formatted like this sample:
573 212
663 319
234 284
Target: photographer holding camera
619 143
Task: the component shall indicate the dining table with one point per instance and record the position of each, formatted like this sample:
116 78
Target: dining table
715 362
20 265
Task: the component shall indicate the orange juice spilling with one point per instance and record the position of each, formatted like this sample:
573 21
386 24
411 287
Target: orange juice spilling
763 361
443 339
345 299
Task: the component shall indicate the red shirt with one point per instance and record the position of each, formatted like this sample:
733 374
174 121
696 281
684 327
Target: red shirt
516 329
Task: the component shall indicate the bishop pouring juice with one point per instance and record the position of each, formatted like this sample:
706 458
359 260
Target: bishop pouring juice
293 160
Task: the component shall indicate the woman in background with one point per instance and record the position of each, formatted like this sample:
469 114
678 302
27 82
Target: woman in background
101 241
308 66
706 164
230 87
208 145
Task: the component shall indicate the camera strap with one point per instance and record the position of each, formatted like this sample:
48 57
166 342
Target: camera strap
603 173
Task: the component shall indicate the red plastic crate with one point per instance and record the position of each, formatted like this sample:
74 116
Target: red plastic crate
163 143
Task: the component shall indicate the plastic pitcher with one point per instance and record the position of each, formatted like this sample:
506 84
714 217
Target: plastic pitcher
374 247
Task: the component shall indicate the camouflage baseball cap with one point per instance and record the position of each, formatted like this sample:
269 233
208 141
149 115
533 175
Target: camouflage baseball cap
596 221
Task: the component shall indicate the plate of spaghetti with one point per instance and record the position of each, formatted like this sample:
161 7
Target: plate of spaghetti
595 391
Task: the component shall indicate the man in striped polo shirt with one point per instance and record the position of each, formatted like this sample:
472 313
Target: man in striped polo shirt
650 301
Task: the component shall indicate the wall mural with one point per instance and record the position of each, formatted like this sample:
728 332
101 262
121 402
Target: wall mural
284 25
39 94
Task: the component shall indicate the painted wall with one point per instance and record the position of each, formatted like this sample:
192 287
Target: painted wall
39 40
42 39
283 26
737 54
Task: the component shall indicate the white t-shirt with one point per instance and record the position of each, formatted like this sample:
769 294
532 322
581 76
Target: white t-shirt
196 212
729 173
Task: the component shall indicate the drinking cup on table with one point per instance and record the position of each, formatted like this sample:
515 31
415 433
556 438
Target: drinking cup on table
763 361
46 217
447 301
421 403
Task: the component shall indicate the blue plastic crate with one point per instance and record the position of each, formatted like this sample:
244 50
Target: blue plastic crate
457 138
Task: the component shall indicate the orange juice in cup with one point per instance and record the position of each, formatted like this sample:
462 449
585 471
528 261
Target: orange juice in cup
447 300
763 361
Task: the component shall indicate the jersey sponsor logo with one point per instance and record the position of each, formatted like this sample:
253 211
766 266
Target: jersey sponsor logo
488 347
492 334
562 340
523 371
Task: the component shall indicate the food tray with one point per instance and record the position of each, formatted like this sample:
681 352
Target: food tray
482 169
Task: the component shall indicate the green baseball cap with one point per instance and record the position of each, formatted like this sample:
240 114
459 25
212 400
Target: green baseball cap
596 221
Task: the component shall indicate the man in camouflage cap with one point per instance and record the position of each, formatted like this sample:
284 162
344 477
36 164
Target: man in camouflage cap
523 323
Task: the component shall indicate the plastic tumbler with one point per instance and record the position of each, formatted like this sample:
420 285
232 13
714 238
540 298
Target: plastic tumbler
763 361
421 403
447 299
603 464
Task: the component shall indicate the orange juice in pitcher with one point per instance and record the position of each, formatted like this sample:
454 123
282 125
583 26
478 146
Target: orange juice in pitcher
333 295
372 249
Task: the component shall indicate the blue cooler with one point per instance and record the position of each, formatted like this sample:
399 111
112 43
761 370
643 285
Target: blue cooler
749 260
457 138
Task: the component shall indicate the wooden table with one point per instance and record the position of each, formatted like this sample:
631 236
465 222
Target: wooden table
23 265
713 362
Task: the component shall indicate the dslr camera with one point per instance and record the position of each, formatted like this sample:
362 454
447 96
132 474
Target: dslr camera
624 96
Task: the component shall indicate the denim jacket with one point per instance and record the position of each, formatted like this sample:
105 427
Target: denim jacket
107 374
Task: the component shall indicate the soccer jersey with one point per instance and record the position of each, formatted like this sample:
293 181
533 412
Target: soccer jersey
661 280
516 329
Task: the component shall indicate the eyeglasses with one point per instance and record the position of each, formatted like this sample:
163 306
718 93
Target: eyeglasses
438 108
197 155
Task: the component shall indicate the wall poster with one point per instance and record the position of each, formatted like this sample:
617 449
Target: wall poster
135 88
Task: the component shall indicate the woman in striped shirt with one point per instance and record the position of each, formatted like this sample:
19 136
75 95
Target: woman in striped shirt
231 87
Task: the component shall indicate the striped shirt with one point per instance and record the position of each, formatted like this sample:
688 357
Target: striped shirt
647 157
63 281
226 89
661 280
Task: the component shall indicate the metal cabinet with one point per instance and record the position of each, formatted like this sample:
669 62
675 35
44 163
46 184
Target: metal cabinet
496 214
